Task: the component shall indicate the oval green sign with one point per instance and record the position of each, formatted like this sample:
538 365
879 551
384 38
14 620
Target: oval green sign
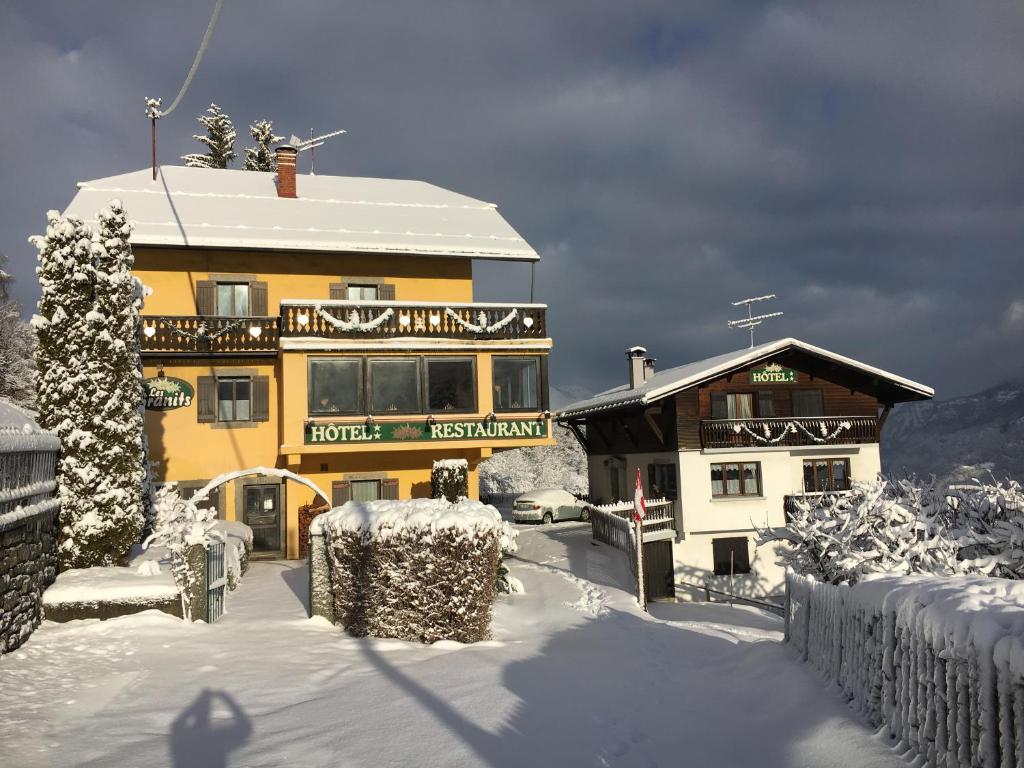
165 393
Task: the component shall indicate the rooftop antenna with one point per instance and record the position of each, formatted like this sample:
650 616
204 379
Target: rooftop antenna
752 320
312 143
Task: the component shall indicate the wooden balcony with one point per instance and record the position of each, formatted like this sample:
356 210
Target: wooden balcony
194 334
417 320
786 432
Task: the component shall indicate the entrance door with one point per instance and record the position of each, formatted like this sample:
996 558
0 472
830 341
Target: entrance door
659 574
263 515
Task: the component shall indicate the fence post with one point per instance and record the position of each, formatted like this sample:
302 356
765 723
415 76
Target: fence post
196 597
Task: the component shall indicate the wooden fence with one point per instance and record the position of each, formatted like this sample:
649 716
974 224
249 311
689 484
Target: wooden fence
938 661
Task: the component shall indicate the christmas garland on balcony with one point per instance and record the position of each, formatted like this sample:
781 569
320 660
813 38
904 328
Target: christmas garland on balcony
201 334
791 428
353 323
482 318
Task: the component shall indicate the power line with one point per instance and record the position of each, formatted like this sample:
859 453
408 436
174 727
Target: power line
195 63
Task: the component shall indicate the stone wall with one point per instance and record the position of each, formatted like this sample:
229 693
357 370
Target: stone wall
28 565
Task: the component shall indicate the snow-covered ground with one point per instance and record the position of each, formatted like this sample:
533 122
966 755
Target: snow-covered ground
575 676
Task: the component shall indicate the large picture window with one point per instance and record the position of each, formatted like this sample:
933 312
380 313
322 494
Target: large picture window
234 397
826 475
516 383
450 384
335 386
394 385
738 479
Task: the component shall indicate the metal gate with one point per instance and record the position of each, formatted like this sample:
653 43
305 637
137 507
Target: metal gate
216 581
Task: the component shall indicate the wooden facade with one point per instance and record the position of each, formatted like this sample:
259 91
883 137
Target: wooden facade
685 421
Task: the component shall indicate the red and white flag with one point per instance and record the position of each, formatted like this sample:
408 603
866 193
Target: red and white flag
639 506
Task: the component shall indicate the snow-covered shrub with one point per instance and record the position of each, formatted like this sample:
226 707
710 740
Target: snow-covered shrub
421 569
904 526
179 525
507 583
237 538
449 479
562 465
89 389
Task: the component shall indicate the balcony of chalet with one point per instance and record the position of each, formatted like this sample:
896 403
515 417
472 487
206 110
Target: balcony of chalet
791 431
418 320
363 320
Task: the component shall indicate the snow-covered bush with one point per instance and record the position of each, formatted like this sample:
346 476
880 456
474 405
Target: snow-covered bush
904 526
89 389
563 465
449 479
237 538
179 525
421 569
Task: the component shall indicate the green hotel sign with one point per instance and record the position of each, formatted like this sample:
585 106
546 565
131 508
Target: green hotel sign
772 374
165 393
410 431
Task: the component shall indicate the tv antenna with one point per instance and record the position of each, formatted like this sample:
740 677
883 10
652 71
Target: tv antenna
312 143
752 320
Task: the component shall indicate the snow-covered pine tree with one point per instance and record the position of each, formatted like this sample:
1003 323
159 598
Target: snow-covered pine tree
63 357
116 407
219 141
17 350
262 156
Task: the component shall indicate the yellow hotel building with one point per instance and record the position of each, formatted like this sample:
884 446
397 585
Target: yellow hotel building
324 325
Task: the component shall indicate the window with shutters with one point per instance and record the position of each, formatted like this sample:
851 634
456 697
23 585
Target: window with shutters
361 292
234 398
517 384
365 490
736 479
731 555
233 299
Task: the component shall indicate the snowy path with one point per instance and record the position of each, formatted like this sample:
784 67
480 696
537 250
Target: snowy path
575 676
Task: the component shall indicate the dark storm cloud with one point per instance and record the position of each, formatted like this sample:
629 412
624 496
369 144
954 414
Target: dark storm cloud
860 160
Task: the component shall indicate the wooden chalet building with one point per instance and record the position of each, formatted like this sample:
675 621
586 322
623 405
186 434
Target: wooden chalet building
731 440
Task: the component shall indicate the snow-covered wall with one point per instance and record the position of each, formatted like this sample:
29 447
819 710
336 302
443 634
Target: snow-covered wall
938 661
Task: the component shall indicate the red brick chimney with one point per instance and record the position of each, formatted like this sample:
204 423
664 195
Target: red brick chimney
286 170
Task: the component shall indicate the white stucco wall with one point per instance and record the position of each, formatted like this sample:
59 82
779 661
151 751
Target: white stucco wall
706 518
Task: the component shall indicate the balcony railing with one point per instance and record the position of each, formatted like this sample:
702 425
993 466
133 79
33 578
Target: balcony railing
183 334
795 431
424 320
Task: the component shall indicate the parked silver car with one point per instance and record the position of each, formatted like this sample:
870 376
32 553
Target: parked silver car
545 505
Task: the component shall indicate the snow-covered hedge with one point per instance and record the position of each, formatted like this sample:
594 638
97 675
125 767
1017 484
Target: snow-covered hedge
939 662
420 569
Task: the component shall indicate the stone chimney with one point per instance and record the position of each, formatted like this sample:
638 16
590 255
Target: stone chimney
286 170
637 357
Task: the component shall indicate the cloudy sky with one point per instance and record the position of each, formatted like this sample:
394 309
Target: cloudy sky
862 161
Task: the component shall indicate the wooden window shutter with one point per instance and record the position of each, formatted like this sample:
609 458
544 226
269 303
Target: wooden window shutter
544 382
341 491
207 396
258 299
386 292
389 489
206 298
260 398
339 291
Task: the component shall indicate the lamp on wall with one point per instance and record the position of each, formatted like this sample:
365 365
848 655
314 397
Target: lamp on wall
369 420
492 417
160 371
544 416
431 420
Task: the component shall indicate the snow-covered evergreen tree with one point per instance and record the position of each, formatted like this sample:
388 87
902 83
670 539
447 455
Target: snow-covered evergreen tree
262 156
89 384
219 141
17 350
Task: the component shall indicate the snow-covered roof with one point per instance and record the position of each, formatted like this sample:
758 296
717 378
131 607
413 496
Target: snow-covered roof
211 208
673 380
